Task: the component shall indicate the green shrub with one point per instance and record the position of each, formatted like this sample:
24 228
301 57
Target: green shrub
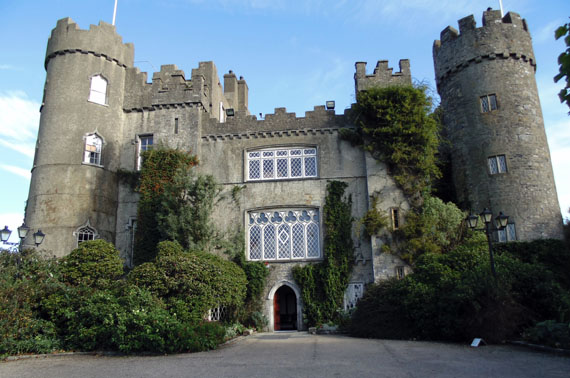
94 263
22 329
195 280
551 333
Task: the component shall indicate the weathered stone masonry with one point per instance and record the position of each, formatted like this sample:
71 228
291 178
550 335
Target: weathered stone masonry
75 191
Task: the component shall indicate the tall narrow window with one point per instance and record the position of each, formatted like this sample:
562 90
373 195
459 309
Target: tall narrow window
175 125
98 92
488 103
93 147
497 164
145 144
395 218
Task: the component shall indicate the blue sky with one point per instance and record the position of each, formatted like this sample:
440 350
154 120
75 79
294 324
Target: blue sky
293 54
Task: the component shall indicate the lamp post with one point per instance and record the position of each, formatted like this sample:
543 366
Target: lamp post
23 231
500 223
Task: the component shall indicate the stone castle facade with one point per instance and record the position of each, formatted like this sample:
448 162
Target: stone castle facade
99 112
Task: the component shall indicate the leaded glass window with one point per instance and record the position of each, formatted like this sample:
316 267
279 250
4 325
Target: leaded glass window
488 103
290 234
281 163
497 164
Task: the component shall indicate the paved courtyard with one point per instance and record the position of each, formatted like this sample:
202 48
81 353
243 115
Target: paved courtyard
304 355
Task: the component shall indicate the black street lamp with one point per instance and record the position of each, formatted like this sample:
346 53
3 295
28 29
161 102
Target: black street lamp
23 231
500 223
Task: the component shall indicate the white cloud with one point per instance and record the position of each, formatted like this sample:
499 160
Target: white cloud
7 67
546 33
19 116
25 173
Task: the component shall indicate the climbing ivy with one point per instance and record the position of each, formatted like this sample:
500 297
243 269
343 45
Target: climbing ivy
397 126
323 285
158 169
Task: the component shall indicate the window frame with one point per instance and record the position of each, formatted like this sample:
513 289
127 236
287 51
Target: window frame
488 103
497 164
253 219
85 229
395 217
140 148
96 92
88 154
508 234
275 154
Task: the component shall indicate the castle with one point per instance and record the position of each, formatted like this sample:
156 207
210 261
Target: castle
99 113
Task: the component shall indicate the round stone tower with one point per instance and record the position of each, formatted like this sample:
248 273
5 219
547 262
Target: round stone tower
73 191
492 115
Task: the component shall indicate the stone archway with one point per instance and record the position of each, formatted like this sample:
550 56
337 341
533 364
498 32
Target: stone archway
284 305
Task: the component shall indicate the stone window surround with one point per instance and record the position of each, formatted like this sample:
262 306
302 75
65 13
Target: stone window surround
285 209
274 148
98 83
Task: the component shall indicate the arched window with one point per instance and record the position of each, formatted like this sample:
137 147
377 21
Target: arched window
98 92
93 147
85 233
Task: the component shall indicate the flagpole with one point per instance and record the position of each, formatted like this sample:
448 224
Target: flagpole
115 12
500 4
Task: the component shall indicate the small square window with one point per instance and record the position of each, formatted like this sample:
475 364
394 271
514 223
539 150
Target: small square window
507 234
488 103
497 164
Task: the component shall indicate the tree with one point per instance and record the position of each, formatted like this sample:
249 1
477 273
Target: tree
564 62
186 205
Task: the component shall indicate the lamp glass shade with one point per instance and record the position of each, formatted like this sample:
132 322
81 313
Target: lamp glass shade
502 220
23 231
5 233
39 237
472 221
487 216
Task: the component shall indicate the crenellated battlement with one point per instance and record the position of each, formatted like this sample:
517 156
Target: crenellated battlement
100 40
499 38
279 123
382 76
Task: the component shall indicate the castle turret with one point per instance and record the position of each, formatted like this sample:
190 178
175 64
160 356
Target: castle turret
73 191
493 118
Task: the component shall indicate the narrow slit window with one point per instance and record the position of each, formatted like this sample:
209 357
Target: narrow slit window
175 125
395 218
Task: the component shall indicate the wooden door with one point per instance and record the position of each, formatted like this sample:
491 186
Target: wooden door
276 312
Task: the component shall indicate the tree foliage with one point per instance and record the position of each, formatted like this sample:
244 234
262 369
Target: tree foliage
564 63
454 297
159 169
186 207
396 125
323 284
435 227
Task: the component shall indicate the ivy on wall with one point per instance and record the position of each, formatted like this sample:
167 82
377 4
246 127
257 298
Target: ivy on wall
395 125
158 170
323 285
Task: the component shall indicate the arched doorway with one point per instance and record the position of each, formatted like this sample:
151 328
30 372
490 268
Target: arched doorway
285 309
